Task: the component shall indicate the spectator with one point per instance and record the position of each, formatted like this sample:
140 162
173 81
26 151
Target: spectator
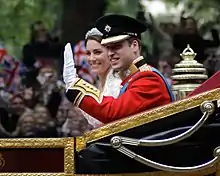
76 124
41 111
30 96
191 36
42 48
45 125
26 125
62 115
17 107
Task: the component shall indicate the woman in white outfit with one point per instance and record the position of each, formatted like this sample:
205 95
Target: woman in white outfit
97 58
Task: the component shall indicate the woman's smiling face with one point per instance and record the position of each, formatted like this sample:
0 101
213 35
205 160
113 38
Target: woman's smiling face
97 57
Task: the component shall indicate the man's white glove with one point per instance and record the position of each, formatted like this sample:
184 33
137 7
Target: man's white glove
69 70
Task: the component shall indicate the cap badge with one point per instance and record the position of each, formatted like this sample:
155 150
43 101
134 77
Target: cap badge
107 28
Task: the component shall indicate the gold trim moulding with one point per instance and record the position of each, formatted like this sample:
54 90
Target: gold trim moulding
186 70
35 142
189 64
66 143
146 117
185 86
189 76
35 174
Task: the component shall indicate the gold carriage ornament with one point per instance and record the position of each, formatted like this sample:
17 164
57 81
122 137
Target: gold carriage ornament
188 74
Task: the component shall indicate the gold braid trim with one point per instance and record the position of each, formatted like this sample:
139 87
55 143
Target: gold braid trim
138 59
145 67
85 88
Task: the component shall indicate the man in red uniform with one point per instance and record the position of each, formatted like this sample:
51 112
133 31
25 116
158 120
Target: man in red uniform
142 88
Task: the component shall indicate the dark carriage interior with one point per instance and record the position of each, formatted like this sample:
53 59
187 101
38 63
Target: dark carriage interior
99 157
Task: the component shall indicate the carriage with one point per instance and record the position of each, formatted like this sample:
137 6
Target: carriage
180 138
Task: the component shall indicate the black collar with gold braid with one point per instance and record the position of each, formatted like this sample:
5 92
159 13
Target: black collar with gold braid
137 66
134 67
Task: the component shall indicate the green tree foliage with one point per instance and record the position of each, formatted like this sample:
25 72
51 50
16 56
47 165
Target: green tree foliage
203 10
126 7
17 15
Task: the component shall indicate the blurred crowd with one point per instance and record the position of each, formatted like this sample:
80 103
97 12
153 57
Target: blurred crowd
170 39
38 107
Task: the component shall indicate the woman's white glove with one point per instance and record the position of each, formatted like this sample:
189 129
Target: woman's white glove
69 70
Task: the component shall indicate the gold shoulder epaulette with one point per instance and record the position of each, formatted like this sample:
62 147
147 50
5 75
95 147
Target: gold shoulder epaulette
145 67
86 89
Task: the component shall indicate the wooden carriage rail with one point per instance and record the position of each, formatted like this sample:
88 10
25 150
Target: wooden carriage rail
146 117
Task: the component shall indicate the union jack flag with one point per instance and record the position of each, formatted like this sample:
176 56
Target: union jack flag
9 69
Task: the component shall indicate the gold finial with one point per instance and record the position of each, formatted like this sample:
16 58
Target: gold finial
188 53
188 74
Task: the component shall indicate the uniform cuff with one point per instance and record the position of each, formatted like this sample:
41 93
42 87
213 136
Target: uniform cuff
81 88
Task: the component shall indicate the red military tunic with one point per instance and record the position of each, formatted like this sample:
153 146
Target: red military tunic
146 90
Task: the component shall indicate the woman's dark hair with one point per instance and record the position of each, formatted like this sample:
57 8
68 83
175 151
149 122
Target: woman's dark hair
94 37
93 34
